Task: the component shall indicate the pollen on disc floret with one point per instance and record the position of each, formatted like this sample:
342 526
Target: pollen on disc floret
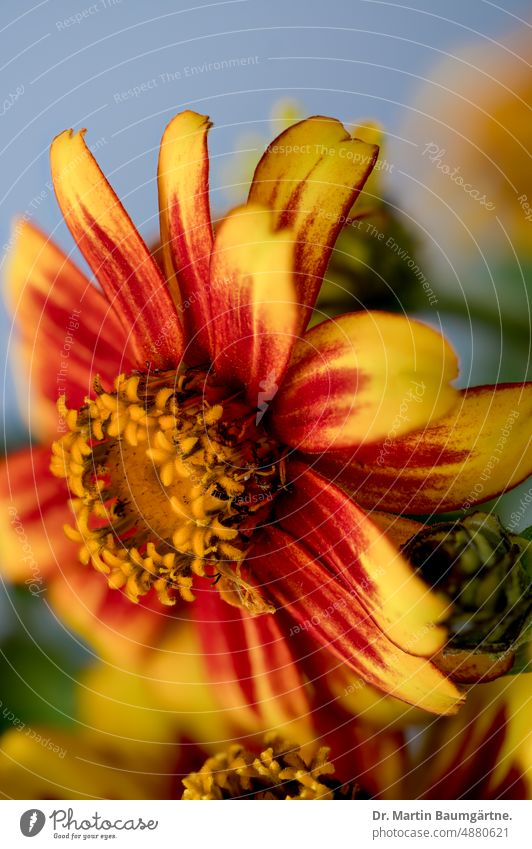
170 475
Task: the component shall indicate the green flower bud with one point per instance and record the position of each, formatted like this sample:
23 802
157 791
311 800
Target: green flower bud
486 572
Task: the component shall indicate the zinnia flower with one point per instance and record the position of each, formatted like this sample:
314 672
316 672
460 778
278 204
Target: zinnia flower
196 412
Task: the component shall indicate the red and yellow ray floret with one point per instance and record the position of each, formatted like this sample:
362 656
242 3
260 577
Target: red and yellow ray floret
171 474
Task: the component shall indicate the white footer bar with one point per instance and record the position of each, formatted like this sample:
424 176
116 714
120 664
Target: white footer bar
265 825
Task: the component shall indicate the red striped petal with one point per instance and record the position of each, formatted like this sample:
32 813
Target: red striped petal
67 331
310 176
479 450
360 377
251 664
331 615
253 302
186 229
116 253
362 559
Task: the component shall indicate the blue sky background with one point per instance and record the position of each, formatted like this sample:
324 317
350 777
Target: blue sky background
71 63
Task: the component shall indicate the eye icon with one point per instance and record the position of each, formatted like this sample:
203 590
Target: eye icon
32 822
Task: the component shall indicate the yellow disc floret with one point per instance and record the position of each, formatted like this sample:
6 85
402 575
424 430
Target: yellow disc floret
170 474
278 772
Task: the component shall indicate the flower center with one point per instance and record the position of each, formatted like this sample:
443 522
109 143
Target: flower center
171 475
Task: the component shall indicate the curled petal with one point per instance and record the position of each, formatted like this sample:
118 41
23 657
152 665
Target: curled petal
116 253
186 228
310 176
